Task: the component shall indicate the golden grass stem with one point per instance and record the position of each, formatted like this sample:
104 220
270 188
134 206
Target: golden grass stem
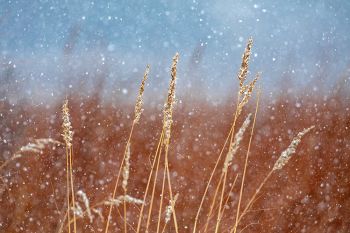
118 177
137 112
252 199
282 161
125 220
161 199
170 190
218 220
72 187
209 215
68 189
156 158
154 183
68 138
231 152
210 179
247 157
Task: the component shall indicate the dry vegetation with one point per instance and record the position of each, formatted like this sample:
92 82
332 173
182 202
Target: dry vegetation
237 167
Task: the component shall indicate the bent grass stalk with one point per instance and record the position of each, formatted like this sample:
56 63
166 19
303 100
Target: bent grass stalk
211 178
156 158
138 112
279 164
161 198
205 227
241 77
247 156
167 123
232 151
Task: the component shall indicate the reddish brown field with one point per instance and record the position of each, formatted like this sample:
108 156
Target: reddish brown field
310 194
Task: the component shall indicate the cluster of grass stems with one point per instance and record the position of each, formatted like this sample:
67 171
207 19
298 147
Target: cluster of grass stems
121 198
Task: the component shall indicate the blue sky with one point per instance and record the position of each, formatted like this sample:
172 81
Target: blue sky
298 39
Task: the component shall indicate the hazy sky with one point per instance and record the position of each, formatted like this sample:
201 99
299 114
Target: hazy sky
300 39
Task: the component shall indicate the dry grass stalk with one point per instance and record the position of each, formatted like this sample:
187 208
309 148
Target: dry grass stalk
68 138
287 154
139 99
279 164
138 112
167 123
247 156
126 171
157 158
242 75
155 162
161 198
232 151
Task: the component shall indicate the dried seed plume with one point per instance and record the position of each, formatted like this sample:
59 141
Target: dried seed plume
139 99
126 168
235 145
120 199
287 154
37 146
86 202
66 125
243 71
170 209
168 106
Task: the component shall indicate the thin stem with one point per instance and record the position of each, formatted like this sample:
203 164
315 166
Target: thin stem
72 187
222 212
148 184
252 199
161 199
228 195
125 220
210 179
220 203
170 190
154 184
68 188
246 159
212 204
118 176
225 172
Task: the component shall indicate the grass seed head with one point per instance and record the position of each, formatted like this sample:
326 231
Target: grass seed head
287 154
169 105
139 99
126 168
66 125
243 71
235 145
